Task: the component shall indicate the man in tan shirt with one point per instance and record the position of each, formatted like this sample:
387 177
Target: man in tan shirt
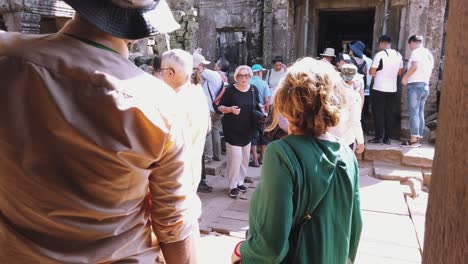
92 152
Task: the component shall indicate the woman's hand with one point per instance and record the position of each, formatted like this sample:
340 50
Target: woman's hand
235 110
235 259
359 148
236 256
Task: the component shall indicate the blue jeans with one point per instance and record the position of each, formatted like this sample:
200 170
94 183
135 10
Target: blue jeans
417 95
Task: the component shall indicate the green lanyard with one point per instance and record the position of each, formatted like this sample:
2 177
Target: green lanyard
90 42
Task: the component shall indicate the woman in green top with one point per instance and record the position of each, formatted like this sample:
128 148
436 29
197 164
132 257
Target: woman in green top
306 207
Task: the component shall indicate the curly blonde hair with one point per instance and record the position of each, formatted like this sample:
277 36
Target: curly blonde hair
309 98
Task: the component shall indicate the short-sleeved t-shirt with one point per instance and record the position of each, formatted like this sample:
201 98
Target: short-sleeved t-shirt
262 86
425 65
238 129
385 80
273 78
212 80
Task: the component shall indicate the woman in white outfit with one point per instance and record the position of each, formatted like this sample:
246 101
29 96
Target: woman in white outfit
349 128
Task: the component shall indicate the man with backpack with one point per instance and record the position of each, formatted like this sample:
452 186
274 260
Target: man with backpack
356 51
212 85
386 67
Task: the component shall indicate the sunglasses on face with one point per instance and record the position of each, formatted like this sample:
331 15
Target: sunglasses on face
160 71
243 76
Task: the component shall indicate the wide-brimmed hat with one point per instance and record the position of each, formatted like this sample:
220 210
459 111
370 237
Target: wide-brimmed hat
199 59
257 68
127 19
329 52
358 48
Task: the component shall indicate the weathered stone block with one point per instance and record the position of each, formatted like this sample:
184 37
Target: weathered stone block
432 125
146 68
432 136
418 157
383 153
384 171
432 117
427 174
215 167
180 32
178 15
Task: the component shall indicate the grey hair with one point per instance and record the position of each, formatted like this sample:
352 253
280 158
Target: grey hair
179 60
240 68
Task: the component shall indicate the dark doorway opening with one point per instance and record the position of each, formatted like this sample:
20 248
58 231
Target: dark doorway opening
231 46
338 28
2 24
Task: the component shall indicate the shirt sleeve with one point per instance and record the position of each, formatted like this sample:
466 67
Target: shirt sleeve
214 81
415 55
173 212
376 60
271 220
226 98
267 89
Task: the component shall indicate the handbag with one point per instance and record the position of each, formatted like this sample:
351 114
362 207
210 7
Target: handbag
258 117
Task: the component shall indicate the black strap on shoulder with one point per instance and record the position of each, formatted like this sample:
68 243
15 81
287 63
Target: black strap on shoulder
209 91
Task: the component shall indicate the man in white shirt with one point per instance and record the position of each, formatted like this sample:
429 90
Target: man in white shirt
212 84
416 79
386 67
274 75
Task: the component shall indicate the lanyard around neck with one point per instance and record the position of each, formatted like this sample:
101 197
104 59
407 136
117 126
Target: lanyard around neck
90 42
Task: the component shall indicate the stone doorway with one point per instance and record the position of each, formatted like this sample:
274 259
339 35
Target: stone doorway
231 45
2 24
338 28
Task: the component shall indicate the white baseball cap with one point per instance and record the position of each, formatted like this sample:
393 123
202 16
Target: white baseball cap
199 59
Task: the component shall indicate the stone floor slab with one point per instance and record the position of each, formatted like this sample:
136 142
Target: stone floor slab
389 229
382 196
216 249
417 208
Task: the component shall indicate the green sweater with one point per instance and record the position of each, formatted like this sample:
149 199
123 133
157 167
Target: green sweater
303 175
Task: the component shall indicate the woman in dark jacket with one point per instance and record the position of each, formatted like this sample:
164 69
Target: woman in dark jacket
237 105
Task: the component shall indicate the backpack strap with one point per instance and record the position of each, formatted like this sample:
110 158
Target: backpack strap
268 76
209 91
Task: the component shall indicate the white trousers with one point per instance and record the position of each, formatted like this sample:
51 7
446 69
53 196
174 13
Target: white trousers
237 164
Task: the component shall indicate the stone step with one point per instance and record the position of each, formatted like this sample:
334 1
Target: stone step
418 157
215 167
421 157
387 171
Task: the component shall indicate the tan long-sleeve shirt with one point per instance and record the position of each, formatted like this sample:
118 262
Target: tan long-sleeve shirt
84 134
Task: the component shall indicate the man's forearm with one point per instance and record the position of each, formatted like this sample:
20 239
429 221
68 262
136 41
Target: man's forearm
410 71
181 252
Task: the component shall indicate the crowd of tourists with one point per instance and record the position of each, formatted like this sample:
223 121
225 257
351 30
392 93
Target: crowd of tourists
101 162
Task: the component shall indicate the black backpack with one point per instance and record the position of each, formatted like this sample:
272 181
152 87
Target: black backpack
360 68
